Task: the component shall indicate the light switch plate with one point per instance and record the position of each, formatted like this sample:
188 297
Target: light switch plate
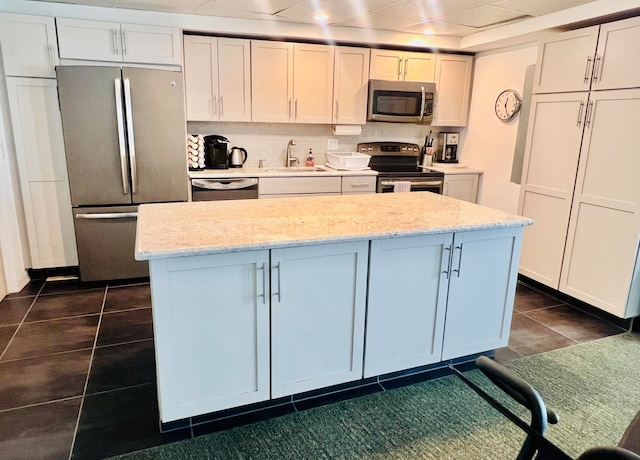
332 144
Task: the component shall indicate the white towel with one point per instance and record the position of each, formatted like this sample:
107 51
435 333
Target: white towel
401 186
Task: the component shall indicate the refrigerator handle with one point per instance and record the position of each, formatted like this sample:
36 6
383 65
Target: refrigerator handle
121 141
130 137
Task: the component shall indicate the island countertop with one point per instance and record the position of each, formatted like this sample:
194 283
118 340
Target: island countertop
209 227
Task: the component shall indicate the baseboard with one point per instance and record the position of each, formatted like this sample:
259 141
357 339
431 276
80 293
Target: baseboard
44 273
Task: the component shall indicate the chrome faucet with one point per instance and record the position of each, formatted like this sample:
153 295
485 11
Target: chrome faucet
291 159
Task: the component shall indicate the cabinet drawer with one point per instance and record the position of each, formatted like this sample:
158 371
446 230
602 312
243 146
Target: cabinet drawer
358 184
299 185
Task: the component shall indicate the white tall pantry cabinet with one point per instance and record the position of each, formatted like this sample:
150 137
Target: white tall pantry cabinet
579 177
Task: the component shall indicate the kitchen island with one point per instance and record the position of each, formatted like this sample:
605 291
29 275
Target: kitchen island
260 299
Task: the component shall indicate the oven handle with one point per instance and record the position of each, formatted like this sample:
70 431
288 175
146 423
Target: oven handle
429 183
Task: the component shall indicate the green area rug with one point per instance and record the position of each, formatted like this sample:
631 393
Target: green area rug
595 388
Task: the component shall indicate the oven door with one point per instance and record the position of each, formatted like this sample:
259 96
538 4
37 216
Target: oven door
434 185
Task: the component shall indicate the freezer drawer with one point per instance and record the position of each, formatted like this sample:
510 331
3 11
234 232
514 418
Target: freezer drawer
106 238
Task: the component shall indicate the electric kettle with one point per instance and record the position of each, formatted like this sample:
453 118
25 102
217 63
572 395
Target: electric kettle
237 157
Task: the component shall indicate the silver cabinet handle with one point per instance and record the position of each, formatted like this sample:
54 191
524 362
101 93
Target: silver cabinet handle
264 283
215 104
399 67
336 115
406 67
121 141
289 116
586 69
221 106
124 42
580 113
360 185
446 272
457 270
108 215
130 136
52 57
587 121
596 69
115 42
278 293
295 109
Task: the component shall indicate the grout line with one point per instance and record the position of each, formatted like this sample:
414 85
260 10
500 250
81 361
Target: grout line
19 325
43 403
86 381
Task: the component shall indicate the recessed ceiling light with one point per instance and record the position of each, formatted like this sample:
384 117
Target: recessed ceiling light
428 31
320 16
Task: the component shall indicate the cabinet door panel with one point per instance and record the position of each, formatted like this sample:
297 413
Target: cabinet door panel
565 61
419 67
234 77
90 40
313 83
453 88
317 316
350 85
151 44
271 81
481 291
385 65
201 76
548 180
461 186
29 47
619 63
408 333
225 362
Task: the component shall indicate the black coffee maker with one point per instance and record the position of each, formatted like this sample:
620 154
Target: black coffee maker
216 155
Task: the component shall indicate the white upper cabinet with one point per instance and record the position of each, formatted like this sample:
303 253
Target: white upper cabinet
617 62
453 89
565 61
350 85
218 78
291 83
28 45
402 65
116 42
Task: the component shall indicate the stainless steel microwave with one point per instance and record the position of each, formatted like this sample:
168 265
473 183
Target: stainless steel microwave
401 101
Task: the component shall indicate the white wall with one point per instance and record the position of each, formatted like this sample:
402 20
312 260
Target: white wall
489 143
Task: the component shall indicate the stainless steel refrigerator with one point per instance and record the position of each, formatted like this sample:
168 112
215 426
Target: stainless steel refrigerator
125 141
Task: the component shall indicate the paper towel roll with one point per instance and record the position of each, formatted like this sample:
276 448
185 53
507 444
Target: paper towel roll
347 130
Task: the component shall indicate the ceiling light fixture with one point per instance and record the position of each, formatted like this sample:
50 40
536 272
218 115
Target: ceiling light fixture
320 16
428 31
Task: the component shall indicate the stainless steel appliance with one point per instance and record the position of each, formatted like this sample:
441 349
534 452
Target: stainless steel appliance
398 162
447 149
224 189
401 101
216 152
125 138
237 157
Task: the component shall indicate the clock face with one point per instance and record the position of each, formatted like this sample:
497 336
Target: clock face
508 105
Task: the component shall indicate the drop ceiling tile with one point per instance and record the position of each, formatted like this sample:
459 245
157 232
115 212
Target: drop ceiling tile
103 3
168 6
482 17
252 6
304 12
540 7
429 9
440 28
376 20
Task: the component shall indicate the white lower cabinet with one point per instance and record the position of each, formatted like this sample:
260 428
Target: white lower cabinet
407 302
483 274
211 330
461 186
318 296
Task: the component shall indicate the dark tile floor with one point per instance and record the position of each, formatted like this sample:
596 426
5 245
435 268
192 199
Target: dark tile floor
77 369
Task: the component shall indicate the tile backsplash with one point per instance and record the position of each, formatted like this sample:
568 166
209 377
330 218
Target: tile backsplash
268 141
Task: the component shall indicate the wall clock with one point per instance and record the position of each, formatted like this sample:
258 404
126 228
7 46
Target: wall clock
508 104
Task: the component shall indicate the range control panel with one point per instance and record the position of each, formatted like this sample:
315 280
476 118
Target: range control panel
389 148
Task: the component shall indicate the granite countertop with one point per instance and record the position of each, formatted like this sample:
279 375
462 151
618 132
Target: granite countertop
210 227
276 171
453 168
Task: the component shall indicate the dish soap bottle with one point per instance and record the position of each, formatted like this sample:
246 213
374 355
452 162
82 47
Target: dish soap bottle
310 160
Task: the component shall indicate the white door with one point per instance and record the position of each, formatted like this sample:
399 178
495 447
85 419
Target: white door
234 79
350 85
617 60
29 47
313 83
406 303
89 40
461 186
151 44
565 61
221 304
271 81
484 271
548 178
453 89
418 67
37 130
602 243
201 77
386 65
318 296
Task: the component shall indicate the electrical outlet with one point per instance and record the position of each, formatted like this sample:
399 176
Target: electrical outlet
332 144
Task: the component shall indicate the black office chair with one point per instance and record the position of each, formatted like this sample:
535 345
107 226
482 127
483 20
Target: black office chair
535 446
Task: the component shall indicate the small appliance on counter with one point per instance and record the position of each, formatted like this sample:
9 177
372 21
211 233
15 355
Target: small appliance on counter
237 157
447 149
216 154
